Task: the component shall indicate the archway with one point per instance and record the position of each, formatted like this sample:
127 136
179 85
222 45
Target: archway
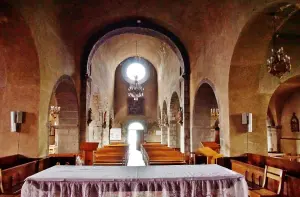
205 117
138 27
284 102
174 132
63 117
250 85
135 135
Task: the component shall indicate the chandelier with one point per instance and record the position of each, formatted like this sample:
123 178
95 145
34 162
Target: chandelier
279 63
54 110
135 90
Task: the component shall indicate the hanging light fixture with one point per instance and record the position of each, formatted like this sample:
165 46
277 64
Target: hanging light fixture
135 90
279 63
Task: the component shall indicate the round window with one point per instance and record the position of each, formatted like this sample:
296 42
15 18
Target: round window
135 67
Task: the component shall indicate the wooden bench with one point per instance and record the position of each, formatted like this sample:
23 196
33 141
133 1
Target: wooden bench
157 154
114 155
254 173
13 178
15 169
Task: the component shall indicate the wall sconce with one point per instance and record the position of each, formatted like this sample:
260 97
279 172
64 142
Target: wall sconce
214 112
16 118
54 112
247 120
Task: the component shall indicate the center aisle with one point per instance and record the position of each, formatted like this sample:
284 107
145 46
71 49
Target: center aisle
135 158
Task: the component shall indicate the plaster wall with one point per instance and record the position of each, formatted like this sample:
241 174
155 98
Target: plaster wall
19 84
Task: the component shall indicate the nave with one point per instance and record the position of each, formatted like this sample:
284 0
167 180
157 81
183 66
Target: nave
162 91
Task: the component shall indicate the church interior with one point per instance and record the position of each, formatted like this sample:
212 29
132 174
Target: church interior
150 92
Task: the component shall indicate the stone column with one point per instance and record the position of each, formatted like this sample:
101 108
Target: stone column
85 99
172 134
67 140
164 135
272 139
186 115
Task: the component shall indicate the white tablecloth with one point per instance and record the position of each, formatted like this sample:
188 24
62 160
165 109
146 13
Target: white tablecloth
124 181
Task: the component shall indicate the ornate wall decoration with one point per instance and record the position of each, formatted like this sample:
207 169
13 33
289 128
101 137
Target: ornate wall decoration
135 107
294 123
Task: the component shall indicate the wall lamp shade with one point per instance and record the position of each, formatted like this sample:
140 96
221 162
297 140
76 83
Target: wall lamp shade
16 118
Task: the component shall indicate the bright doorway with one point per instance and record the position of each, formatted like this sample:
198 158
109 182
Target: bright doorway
135 138
135 135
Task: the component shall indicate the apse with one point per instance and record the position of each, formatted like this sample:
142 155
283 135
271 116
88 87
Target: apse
130 75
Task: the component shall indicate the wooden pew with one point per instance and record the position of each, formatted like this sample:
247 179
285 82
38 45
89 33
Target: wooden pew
114 155
16 168
157 154
13 178
254 166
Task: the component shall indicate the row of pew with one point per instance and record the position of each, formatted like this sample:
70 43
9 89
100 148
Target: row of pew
15 169
159 154
266 176
111 155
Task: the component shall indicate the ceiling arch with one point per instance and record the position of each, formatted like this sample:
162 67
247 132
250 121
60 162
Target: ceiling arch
138 26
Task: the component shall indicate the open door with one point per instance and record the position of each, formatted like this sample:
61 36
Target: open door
139 138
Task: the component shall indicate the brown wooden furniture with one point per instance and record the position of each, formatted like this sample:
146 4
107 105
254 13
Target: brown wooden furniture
86 149
269 173
13 178
158 154
111 155
15 169
255 175
213 145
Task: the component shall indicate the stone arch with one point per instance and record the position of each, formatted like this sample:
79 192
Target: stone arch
250 86
137 26
174 133
284 102
203 121
67 132
19 83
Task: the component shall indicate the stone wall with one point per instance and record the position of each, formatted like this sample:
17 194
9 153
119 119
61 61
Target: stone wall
67 140
19 84
164 135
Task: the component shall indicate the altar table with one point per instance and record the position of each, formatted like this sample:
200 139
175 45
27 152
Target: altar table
136 181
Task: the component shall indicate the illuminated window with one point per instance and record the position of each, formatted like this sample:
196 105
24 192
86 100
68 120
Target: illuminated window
136 69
